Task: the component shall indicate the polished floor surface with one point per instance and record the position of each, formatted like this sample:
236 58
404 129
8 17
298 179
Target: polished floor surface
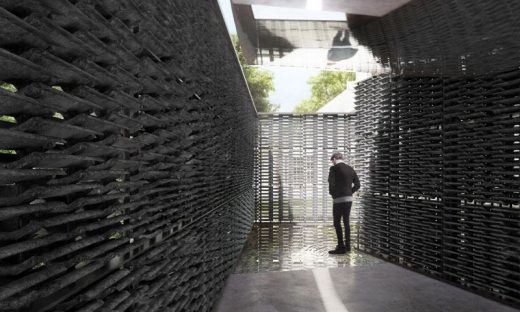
286 268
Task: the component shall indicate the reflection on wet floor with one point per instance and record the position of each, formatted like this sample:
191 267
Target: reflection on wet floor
291 247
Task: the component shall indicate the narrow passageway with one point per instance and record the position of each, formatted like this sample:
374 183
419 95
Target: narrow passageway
134 160
286 268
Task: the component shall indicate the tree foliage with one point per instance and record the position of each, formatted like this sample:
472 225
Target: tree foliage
260 82
7 86
324 87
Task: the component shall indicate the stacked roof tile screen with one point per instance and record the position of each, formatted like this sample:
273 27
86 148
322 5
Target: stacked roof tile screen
439 159
126 148
438 143
446 37
439 167
293 153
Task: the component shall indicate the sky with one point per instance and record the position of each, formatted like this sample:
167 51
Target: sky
225 7
290 82
290 86
267 12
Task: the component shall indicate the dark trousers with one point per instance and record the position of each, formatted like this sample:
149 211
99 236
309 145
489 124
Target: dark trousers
342 211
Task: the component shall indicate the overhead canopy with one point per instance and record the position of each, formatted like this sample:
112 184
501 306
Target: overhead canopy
297 34
358 7
325 43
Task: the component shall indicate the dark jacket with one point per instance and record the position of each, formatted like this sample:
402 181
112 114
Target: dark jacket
341 178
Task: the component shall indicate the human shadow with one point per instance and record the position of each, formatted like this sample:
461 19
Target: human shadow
341 47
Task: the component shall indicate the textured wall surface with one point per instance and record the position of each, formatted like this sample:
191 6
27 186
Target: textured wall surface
438 143
293 153
440 170
126 155
446 37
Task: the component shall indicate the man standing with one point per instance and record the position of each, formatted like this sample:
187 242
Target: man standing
343 182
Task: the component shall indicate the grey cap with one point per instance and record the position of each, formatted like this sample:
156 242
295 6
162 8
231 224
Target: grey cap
336 155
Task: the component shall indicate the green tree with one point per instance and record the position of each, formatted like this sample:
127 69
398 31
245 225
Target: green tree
324 87
7 86
260 82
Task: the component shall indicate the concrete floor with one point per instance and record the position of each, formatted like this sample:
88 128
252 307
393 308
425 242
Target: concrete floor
287 269
377 288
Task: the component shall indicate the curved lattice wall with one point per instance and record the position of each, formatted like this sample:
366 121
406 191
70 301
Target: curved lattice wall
438 143
126 155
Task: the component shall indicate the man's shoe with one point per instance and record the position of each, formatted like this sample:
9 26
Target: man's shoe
338 251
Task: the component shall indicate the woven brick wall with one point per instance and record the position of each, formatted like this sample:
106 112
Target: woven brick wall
126 155
437 143
439 164
446 37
